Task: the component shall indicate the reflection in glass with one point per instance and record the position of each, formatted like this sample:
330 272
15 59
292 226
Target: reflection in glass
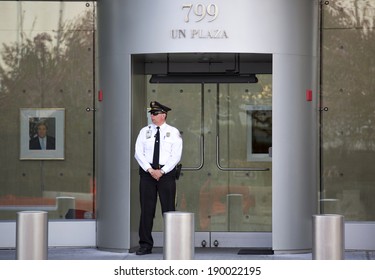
347 113
46 61
259 132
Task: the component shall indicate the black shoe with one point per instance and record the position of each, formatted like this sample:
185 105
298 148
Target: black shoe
143 251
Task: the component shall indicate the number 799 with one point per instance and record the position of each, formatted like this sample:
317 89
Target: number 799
201 11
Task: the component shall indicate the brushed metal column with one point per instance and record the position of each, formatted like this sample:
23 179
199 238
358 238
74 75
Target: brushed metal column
126 27
178 236
32 235
328 237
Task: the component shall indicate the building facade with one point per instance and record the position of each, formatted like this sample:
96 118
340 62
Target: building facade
273 100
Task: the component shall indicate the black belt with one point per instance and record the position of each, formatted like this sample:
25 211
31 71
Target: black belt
176 171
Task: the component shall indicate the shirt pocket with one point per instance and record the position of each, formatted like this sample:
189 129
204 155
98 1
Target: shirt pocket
168 144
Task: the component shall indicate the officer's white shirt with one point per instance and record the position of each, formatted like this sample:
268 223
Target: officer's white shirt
170 146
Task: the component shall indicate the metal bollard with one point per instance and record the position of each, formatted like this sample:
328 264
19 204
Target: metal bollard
178 236
328 237
32 235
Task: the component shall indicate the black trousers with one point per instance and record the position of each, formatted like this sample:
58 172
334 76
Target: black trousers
149 188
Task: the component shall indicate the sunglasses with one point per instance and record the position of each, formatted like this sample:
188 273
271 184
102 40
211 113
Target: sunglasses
156 113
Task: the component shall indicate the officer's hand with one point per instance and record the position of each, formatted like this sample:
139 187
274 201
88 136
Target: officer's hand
155 173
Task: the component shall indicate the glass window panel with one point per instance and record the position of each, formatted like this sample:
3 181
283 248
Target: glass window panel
347 111
47 62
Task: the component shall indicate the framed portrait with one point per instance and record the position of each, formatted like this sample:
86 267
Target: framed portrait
259 127
42 133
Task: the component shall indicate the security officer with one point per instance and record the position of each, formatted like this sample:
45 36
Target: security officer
158 150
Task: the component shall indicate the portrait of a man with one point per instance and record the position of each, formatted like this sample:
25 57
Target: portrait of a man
42 133
40 139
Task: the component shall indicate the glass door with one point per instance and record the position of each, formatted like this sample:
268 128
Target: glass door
227 168
243 161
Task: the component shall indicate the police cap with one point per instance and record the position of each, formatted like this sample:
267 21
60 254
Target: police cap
156 107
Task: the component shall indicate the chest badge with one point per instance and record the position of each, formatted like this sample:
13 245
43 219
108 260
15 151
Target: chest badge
148 134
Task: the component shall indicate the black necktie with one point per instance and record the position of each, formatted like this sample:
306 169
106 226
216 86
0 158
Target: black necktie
155 161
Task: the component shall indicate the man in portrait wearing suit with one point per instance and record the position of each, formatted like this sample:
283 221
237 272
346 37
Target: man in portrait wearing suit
42 141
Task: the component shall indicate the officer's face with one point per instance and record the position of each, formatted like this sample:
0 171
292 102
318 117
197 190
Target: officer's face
157 117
